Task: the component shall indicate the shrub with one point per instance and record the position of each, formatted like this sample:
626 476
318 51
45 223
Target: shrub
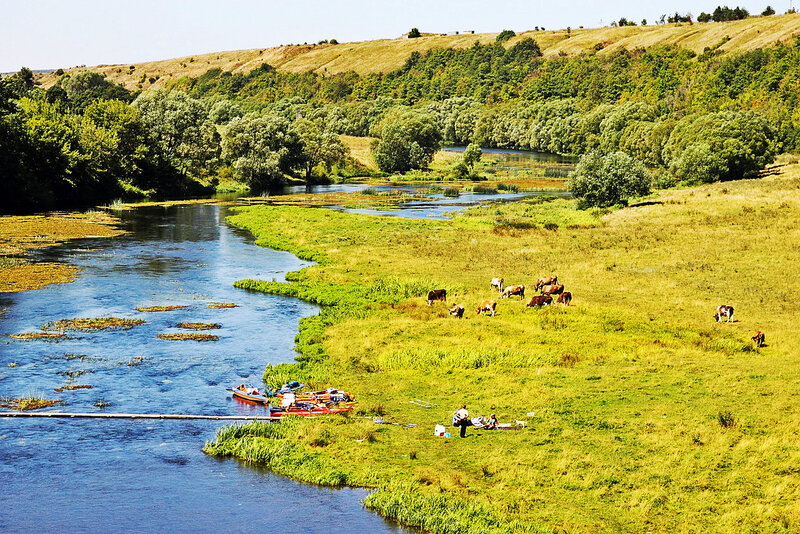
606 180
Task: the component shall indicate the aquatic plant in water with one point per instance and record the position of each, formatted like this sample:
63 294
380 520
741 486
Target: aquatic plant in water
199 326
222 305
47 336
190 337
31 402
99 323
161 308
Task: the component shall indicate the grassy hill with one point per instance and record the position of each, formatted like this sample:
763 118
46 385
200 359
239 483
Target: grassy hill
389 54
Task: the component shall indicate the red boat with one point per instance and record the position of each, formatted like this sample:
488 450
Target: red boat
308 410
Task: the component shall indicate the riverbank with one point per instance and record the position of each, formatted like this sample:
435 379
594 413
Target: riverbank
641 412
21 234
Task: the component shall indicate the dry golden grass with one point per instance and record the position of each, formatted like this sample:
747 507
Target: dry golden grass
389 54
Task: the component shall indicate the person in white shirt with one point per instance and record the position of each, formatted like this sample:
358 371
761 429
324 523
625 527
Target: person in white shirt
461 419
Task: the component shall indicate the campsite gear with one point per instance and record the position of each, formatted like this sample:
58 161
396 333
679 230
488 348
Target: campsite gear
439 430
308 410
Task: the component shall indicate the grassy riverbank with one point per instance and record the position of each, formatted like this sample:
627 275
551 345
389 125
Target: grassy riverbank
649 416
20 234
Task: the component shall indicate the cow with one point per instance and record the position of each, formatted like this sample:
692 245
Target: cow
457 311
514 290
545 281
553 289
498 283
540 300
723 310
564 298
486 306
437 294
758 338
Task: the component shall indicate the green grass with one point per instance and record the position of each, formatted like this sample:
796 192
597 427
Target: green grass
648 415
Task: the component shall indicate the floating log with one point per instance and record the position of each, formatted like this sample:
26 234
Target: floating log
68 415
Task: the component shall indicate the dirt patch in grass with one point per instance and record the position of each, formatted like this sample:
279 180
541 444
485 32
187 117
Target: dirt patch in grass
99 323
188 337
222 305
161 308
199 326
52 336
72 387
27 403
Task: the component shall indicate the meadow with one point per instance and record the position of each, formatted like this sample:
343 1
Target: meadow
643 413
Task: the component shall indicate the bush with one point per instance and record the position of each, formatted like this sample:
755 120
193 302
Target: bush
606 180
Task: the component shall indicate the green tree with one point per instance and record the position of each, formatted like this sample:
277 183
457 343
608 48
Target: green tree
472 155
408 140
504 36
605 180
319 146
262 149
414 33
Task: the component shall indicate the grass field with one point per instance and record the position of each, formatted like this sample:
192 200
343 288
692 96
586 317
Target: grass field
643 414
389 54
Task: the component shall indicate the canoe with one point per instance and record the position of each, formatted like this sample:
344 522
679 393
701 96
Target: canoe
328 395
308 410
249 393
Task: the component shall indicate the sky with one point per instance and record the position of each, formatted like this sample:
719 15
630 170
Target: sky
48 34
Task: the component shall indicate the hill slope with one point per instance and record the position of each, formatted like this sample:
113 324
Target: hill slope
389 54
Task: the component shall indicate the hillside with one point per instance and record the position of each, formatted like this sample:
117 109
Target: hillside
389 54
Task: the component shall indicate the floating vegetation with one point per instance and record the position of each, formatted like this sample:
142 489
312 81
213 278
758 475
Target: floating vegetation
222 305
51 336
99 323
161 308
11 365
452 192
27 403
133 362
75 373
82 357
72 387
193 337
199 326
102 403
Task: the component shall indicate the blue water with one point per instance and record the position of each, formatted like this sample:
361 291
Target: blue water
151 476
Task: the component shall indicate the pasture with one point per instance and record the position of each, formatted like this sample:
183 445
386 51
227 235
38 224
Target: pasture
643 413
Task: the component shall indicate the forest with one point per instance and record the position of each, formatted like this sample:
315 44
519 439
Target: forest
690 118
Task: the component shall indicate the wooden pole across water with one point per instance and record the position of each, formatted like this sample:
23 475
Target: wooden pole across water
70 415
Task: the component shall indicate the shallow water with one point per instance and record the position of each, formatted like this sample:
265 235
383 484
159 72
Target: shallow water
146 476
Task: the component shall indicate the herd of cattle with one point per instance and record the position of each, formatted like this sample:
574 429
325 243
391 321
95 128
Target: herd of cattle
547 286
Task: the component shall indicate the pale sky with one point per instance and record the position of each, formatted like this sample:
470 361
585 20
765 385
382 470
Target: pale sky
43 34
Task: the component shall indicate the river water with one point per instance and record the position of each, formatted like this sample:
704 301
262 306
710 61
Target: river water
144 476
150 476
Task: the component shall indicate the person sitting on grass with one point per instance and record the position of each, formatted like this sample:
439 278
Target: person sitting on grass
461 419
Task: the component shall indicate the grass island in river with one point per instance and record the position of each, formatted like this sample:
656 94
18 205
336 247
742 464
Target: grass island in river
643 414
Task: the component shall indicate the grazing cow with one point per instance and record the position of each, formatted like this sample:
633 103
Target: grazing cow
514 290
545 281
540 300
553 289
437 294
498 283
723 310
457 311
758 338
564 298
486 306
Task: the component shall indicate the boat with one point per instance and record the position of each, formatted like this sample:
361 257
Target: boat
308 410
249 393
329 395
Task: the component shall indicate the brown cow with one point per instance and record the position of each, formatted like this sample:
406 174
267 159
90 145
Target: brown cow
545 281
437 294
564 298
514 290
553 289
457 310
540 300
758 338
486 306
723 310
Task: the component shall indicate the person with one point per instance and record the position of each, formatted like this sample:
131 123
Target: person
461 419
492 424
